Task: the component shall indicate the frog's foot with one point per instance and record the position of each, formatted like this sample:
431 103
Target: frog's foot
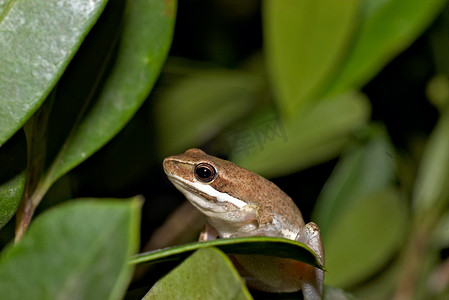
312 281
208 234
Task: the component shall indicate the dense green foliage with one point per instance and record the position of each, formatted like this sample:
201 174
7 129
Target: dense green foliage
318 95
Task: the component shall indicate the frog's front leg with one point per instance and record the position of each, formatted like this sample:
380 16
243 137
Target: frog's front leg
208 234
258 221
312 282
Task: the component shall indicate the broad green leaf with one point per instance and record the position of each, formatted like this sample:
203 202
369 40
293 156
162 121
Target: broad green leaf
79 250
364 169
200 105
431 189
361 216
206 274
13 163
304 42
364 238
37 41
277 148
277 247
383 285
146 38
387 27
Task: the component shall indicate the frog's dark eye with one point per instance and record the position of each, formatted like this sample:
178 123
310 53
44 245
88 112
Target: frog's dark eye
205 172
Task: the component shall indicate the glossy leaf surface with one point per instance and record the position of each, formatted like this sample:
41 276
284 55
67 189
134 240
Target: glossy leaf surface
143 47
37 41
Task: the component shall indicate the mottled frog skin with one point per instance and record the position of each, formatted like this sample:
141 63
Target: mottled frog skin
239 203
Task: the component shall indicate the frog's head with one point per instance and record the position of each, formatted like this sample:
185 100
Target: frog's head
207 181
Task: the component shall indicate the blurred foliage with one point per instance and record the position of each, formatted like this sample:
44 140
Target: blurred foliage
314 92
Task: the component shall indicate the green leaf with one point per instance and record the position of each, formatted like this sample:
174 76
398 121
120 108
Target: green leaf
277 247
146 38
387 28
431 189
37 41
364 169
79 250
364 238
12 176
277 148
144 45
207 274
305 41
10 195
440 235
361 216
200 105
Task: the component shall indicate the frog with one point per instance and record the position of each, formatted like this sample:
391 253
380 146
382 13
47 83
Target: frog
239 203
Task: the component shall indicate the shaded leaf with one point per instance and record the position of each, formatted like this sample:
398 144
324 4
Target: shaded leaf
206 274
361 216
387 28
438 91
37 41
364 169
305 41
439 41
82 249
270 246
144 45
431 189
364 238
441 233
199 106
12 176
282 147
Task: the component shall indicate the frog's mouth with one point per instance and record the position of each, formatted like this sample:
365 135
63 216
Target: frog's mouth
205 197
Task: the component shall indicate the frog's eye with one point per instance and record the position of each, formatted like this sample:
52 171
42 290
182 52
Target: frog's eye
205 172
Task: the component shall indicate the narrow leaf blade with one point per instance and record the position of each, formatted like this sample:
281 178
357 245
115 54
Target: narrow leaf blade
431 190
277 247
